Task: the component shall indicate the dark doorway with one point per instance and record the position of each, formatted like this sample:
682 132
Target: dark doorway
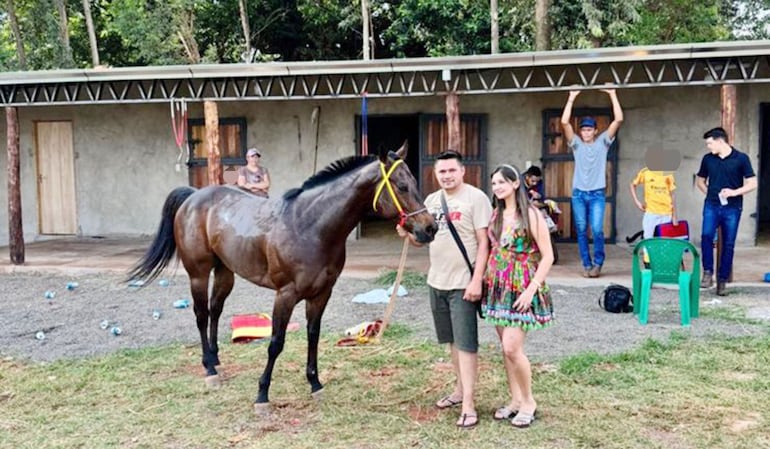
763 171
387 133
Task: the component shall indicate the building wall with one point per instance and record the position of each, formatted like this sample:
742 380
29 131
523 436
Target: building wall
125 155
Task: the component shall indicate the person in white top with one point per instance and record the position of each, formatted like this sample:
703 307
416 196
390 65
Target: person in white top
454 290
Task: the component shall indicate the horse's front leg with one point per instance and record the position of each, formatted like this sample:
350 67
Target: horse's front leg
314 309
285 300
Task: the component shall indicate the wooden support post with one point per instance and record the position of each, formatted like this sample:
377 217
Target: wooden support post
453 122
729 100
211 114
15 227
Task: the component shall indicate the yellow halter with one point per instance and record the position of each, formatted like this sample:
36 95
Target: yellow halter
386 183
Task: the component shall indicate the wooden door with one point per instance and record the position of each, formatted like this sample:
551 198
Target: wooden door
559 165
434 137
57 211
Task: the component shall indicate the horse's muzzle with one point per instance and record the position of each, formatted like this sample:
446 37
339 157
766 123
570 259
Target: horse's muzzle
425 233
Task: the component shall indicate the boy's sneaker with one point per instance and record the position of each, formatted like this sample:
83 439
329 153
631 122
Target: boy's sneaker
595 271
707 280
587 272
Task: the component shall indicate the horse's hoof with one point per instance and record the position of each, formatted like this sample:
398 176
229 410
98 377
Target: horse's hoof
318 395
262 409
213 381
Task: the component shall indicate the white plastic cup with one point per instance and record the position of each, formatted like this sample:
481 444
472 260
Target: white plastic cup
722 200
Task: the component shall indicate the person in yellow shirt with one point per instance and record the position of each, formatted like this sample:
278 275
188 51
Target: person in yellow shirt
659 186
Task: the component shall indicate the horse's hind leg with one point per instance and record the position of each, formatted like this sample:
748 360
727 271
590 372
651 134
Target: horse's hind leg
314 309
223 285
285 300
199 286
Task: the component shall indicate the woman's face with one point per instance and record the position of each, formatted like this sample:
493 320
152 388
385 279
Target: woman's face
502 187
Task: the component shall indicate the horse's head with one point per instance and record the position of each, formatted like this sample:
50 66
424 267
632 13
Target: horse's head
397 195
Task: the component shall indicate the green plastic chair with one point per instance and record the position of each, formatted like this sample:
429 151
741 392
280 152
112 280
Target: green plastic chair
666 267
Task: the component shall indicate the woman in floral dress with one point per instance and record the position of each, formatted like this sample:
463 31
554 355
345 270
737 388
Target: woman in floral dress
518 298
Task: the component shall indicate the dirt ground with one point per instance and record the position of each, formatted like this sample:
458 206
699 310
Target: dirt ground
70 321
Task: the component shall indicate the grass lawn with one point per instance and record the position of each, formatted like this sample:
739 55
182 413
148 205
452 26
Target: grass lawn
682 393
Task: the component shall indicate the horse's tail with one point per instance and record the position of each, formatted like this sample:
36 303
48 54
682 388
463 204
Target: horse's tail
163 246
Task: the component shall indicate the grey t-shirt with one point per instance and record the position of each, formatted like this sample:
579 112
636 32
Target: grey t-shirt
590 162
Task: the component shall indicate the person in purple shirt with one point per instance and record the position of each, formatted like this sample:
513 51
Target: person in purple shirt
725 175
589 179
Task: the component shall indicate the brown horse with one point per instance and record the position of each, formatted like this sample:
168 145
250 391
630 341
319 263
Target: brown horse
294 245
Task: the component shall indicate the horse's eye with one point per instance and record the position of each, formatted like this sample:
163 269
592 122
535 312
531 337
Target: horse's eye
402 186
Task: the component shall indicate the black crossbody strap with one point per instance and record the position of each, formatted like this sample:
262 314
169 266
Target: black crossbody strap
453 231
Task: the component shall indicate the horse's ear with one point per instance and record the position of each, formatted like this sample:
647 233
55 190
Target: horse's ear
401 152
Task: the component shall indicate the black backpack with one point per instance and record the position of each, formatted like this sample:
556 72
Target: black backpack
616 299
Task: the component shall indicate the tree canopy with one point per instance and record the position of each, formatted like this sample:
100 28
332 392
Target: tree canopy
162 32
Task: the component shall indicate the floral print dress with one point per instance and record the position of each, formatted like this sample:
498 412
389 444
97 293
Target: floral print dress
513 260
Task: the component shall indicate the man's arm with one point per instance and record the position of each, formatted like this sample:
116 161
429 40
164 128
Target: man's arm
639 205
674 220
566 116
617 113
473 290
749 184
700 183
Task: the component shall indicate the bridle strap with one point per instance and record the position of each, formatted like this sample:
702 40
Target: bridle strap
385 183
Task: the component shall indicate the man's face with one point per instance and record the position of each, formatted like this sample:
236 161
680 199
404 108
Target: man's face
587 134
714 145
532 180
449 173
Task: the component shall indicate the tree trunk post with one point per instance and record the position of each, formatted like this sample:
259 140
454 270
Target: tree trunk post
91 33
542 25
453 122
15 226
366 31
211 114
729 101
495 27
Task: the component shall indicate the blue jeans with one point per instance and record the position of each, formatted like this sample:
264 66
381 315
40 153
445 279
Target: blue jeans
728 218
588 207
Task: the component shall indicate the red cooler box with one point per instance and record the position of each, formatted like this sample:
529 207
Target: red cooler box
668 230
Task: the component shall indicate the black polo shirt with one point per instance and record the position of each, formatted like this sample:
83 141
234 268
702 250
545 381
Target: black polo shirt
727 173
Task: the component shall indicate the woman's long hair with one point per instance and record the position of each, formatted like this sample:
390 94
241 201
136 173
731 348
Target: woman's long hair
511 173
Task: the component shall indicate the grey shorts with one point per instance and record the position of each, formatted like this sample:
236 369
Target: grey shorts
454 319
650 221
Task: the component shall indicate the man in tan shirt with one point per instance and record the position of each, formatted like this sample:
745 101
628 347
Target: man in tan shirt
453 290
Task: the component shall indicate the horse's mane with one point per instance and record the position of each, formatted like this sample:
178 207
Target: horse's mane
331 172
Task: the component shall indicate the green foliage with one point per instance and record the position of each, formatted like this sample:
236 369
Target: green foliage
151 32
439 28
679 21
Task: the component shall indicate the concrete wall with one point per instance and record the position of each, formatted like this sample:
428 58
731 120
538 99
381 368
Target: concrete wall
126 155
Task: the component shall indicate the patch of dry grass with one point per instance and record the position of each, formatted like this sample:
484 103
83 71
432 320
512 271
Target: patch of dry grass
679 394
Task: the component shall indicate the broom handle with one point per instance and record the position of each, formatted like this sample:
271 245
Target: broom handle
396 285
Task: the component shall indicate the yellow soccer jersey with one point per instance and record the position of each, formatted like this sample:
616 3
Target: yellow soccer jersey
658 186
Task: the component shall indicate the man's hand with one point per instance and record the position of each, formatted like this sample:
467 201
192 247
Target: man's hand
473 291
573 94
401 231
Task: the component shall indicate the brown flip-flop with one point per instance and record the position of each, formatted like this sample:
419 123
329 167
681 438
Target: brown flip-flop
465 418
447 402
